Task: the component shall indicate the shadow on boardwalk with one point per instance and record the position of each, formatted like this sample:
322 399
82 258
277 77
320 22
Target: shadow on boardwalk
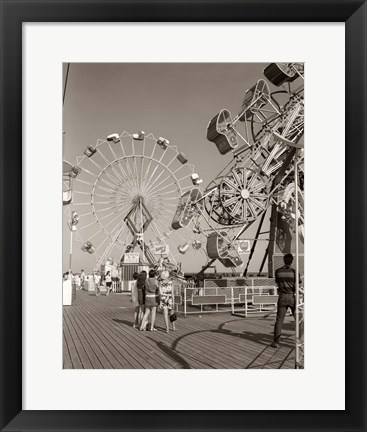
98 333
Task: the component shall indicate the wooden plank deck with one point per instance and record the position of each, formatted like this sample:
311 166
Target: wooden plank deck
98 334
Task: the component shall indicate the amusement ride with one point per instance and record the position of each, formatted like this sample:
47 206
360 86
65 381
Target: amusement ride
135 192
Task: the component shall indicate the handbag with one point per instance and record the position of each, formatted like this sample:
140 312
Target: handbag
173 317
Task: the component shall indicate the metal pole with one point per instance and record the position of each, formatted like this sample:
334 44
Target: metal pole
297 360
232 300
71 249
185 302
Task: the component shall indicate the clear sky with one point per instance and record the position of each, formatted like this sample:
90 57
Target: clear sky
175 101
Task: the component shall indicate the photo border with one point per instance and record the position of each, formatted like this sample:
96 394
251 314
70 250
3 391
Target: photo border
13 15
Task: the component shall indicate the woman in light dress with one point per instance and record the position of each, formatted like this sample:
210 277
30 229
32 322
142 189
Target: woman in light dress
166 298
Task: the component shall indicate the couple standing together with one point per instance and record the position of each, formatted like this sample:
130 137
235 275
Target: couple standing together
147 294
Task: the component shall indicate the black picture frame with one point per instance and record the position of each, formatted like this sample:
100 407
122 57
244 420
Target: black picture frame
13 14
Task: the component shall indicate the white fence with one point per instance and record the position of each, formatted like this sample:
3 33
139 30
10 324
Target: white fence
244 299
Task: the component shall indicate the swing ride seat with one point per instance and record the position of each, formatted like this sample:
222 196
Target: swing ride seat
280 73
255 98
186 208
221 132
217 249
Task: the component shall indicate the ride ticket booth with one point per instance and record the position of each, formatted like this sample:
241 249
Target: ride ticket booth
130 265
68 292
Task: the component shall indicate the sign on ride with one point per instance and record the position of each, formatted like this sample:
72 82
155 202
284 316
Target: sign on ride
131 258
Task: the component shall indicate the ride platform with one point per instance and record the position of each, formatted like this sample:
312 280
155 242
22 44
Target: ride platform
98 334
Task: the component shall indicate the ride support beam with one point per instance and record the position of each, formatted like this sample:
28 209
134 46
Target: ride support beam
254 243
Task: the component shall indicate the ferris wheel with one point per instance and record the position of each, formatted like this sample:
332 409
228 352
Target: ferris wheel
126 189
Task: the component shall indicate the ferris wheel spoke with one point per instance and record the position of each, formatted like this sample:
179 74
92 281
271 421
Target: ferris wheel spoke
114 170
103 156
104 202
150 188
168 193
109 208
86 226
150 163
113 186
104 188
136 177
142 167
178 169
148 184
81 204
244 177
112 151
93 235
244 210
80 192
230 201
168 216
89 172
188 176
258 203
238 180
103 241
128 169
166 205
118 230
230 184
113 179
135 165
124 201
229 192
124 189
164 213
131 176
95 163
257 187
83 181
156 191
85 214
109 215
107 174
261 196
252 210
102 195
126 178
235 209
251 183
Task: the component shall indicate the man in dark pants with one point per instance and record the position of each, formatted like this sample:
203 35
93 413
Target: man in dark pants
285 278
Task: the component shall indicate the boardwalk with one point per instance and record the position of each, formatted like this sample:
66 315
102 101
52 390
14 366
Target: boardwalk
98 334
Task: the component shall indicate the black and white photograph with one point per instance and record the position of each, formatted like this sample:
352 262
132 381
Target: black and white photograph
183 215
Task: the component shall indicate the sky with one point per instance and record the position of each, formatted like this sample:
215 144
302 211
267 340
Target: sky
175 101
